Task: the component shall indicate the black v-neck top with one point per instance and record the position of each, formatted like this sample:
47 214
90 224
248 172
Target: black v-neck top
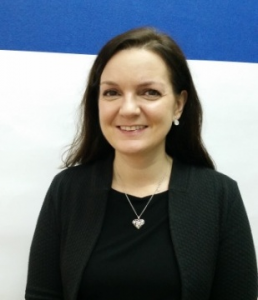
130 263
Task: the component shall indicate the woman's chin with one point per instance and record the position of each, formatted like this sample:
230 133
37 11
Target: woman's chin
130 150
137 150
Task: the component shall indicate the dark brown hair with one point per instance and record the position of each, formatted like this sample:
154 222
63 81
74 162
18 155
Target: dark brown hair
183 142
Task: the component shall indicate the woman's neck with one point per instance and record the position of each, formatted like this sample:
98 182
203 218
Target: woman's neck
141 176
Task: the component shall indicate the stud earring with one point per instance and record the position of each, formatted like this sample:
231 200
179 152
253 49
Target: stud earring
176 122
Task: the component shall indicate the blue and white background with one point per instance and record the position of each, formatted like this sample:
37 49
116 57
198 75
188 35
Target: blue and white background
47 49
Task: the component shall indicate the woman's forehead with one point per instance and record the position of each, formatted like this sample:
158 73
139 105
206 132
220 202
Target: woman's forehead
141 64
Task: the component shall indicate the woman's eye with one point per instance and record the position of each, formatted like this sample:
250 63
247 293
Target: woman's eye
152 93
110 93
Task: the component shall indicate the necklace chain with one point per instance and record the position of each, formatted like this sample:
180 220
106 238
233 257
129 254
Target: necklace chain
127 197
138 223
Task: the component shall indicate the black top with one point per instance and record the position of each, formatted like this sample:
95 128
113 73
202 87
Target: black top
130 263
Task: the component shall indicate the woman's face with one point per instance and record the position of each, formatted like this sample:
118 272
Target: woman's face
137 104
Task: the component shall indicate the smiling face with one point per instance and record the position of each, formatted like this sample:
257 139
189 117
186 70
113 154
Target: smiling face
137 104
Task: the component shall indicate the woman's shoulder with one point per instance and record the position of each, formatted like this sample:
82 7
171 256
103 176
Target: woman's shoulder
73 173
198 178
215 183
201 173
211 174
83 174
208 188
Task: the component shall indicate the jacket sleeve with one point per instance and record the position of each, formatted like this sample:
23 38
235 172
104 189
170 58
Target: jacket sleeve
236 270
44 278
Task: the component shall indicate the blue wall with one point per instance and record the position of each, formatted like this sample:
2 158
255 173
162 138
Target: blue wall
225 30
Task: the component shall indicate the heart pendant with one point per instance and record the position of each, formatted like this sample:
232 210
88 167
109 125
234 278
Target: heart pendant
138 223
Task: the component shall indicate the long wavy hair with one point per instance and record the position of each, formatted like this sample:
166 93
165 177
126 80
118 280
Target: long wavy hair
183 142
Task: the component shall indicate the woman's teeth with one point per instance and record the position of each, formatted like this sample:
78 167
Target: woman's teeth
132 128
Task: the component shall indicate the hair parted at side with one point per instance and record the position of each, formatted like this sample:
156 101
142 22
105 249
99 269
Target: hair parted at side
183 142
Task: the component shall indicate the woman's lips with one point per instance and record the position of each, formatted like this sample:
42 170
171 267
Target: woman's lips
132 128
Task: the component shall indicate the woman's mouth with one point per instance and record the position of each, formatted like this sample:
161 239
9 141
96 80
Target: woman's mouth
132 128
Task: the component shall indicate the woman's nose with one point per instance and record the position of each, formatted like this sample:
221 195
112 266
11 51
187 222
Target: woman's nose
129 105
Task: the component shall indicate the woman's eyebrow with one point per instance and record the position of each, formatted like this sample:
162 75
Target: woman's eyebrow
145 83
108 83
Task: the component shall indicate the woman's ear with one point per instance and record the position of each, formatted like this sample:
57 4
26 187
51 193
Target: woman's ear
180 103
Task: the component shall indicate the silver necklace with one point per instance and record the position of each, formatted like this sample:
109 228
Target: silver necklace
138 223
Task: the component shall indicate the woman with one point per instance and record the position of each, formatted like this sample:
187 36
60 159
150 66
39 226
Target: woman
140 212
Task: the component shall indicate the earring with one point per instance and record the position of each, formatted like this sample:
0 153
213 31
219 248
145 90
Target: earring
176 122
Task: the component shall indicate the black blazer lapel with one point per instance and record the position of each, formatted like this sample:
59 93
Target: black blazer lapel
194 243
85 229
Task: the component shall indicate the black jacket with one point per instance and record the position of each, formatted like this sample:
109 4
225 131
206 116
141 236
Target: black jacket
208 224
